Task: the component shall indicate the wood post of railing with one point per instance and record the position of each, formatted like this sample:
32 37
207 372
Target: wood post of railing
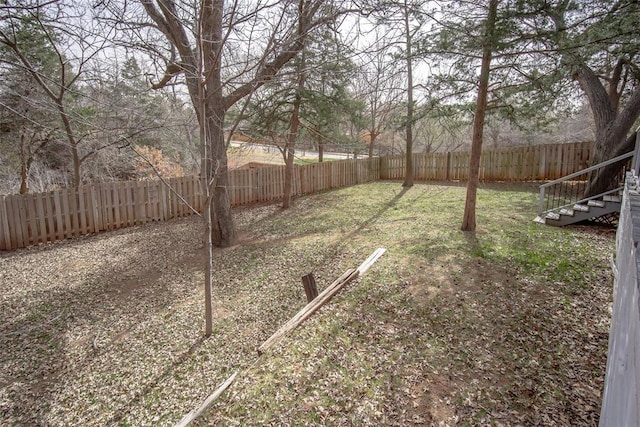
634 161
541 200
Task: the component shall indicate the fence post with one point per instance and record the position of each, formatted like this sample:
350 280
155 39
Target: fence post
634 161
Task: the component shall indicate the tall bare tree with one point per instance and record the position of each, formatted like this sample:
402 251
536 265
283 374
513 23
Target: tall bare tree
226 50
407 22
74 44
379 85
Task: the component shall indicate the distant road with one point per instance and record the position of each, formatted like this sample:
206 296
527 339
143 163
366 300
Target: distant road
301 153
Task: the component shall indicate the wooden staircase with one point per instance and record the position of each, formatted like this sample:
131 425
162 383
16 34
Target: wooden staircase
562 202
604 209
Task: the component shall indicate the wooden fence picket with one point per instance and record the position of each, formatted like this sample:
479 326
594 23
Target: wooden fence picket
14 215
5 242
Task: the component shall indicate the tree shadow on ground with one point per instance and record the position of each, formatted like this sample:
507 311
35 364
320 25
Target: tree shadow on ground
82 316
137 399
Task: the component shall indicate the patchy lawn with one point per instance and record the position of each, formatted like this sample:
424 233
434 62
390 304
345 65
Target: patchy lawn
505 327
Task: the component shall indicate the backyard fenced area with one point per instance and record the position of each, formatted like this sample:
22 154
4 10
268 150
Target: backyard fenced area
30 219
505 327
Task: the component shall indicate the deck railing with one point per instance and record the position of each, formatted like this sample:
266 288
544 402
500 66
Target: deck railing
569 190
622 381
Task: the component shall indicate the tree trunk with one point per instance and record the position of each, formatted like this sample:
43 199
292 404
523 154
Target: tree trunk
288 178
372 137
612 123
290 150
408 177
373 134
77 180
24 164
320 151
208 271
609 177
209 50
469 219
73 142
611 131
223 232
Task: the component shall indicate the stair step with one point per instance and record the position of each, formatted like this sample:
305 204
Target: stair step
596 203
612 198
539 220
552 215
567 212
581 208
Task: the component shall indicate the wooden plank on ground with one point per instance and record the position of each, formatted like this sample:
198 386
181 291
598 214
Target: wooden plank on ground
208 401
321 299
309 309
369 261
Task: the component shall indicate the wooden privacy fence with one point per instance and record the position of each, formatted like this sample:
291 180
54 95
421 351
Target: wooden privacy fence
31 219
248 186
531 163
